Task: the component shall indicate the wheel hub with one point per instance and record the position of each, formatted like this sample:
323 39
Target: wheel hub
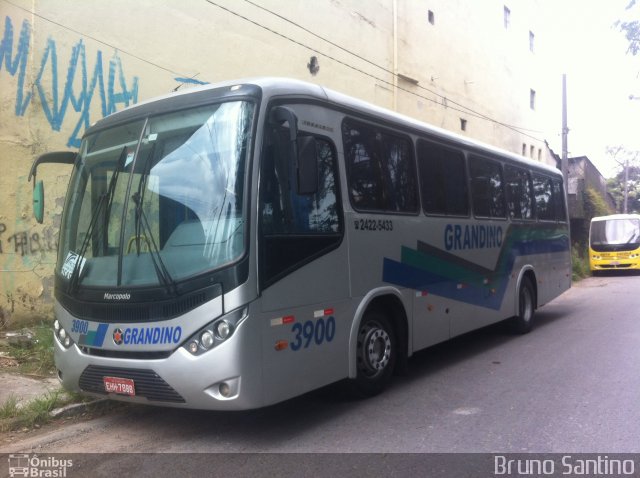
375 349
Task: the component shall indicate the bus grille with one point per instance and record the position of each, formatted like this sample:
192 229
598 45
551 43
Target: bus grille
126 354
148 384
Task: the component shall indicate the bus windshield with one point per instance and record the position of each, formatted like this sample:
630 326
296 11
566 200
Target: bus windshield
158 199
615 232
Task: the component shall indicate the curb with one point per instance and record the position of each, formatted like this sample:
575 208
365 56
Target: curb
75 409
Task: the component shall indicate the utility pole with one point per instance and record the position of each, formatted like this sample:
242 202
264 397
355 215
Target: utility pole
564 160
626 183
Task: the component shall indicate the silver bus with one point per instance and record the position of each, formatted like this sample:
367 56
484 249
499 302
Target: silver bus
238 244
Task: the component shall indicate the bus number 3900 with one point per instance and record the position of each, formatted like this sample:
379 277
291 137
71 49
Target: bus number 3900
317 331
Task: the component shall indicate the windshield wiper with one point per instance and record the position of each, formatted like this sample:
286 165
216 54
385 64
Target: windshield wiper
75 279
158 264
142 225
142 183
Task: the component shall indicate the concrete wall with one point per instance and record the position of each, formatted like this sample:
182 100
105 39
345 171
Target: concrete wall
66 63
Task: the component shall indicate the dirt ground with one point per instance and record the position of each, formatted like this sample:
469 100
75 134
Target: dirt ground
24 388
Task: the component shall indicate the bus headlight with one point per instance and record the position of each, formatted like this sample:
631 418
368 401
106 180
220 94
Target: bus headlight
61 335
216 332
223 329
207 339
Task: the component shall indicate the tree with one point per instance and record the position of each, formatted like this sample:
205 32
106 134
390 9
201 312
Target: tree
631 30
626 182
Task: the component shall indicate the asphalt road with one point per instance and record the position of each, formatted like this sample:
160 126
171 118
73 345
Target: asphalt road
571 385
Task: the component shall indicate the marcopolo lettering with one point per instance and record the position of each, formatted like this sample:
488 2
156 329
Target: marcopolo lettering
151 335
479 236
117 296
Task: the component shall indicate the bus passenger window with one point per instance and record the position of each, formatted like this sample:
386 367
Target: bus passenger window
487 191
381 169
365 169
558 199
519 193
543 195
443 180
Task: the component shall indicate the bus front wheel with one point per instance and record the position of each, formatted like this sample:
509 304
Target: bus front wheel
523 322
376 354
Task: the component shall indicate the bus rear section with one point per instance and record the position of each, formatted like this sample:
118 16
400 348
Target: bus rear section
614 243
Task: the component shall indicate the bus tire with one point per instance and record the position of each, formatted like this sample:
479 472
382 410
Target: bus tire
523 322
376 354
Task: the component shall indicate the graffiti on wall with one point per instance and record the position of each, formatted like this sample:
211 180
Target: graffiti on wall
77 88
25 243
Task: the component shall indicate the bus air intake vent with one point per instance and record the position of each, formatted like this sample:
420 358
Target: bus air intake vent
126 355
148 384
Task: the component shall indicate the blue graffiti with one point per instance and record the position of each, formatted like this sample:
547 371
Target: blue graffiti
190 81
78 91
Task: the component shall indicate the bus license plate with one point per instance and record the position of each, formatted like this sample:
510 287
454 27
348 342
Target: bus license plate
121 386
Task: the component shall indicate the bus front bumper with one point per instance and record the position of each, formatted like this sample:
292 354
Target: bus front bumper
211 381
614 265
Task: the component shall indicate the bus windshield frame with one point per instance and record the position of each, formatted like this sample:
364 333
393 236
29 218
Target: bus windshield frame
158 199
615 234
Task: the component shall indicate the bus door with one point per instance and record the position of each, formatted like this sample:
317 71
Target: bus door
303 264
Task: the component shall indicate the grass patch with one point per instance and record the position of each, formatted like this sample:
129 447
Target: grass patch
14 416
579 264
9 408
34 357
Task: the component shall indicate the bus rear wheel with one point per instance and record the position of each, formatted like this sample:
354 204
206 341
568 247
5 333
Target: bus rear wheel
376 354
523 322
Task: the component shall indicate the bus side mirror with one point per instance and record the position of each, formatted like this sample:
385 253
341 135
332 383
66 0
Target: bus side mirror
38 201
62 157
307 166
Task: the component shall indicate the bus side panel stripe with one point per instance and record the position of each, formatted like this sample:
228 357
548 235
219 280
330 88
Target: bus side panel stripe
439 272
412 277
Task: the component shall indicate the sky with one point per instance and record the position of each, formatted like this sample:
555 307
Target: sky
601 76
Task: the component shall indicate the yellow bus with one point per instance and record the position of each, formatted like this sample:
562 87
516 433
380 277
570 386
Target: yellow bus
614 242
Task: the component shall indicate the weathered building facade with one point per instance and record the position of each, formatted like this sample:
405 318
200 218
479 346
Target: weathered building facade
584 176
476 68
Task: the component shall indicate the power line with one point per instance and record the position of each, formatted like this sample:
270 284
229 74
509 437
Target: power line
366 60
466 109
459 107
315 50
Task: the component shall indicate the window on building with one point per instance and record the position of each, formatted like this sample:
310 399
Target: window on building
432 17
532 99
463 124
532 38
539 154
532 150
524 149
507 17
